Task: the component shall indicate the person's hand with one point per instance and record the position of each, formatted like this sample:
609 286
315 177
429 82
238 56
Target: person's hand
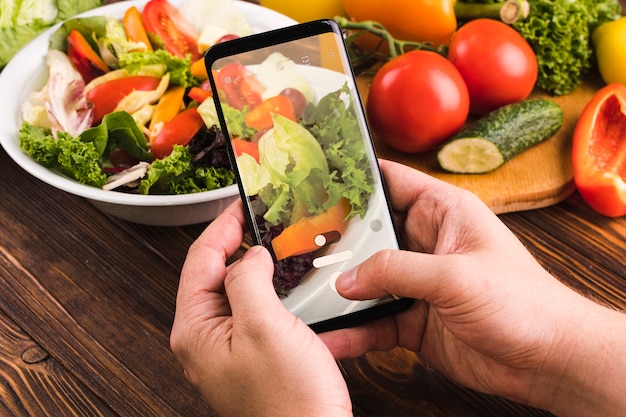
486 313
239 346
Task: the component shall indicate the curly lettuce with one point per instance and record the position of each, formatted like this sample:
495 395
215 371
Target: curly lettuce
66 154
559 32
175 174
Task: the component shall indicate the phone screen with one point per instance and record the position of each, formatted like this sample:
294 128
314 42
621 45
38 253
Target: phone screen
290 111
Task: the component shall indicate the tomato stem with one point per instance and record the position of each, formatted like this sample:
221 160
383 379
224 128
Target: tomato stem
396 46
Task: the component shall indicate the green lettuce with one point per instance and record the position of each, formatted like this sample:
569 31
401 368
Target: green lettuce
23 20
83 157
336 128
304 169
175 174
559 32
118 130
293 162
179 68
66 154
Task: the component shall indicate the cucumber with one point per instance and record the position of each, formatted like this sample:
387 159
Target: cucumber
494 139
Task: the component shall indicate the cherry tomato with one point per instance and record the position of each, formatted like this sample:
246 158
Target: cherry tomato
237 87
163 20
86 61
178 131
261 116
497 64
298 101
105 97
417 101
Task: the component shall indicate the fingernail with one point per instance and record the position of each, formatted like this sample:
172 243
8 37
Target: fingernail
346 280
253 251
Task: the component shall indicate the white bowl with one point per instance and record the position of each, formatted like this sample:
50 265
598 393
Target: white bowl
27 72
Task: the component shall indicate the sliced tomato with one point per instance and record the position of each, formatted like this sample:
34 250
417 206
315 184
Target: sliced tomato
178 131
105 97
238 87
242 146
163 21
86 61
261 116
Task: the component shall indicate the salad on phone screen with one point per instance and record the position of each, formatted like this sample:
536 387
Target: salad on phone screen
301 157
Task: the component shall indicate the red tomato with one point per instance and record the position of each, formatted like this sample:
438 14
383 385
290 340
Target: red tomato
417 101
260 117
237 87
243 146
163 20
199 94
105 97
86 61
178 131
496 62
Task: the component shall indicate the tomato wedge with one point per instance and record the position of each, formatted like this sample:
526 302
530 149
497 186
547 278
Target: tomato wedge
86 61
261 116
242 146
178 131
238 87
105 97
164 22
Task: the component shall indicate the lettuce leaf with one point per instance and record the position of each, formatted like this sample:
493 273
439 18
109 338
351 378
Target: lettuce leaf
23 20
118 130
175 174
179 68
66 154
290 172
336 127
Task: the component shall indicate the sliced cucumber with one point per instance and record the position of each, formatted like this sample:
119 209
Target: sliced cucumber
497 137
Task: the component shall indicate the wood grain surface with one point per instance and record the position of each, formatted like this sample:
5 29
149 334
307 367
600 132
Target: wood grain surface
87 302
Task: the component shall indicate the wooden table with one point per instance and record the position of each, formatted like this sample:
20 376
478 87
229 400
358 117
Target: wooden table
87 302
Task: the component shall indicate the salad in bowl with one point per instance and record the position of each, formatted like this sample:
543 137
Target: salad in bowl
112 111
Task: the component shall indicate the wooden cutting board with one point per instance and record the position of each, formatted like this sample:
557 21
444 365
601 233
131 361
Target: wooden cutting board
539 177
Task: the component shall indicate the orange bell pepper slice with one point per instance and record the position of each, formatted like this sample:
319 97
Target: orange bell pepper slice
299 238
168 106
198 69
133 25
599 151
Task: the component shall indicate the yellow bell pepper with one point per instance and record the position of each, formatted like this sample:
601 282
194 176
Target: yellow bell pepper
609 42
411 20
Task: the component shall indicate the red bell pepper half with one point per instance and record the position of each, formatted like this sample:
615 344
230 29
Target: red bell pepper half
599 151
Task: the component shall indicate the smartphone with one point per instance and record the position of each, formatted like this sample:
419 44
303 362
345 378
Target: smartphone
288 106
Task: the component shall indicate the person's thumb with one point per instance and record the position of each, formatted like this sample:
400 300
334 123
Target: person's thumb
399 273
249 288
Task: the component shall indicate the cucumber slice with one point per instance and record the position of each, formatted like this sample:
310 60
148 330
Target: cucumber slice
470 156
497 137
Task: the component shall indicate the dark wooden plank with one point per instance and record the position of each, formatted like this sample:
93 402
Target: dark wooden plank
33 383
96 294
